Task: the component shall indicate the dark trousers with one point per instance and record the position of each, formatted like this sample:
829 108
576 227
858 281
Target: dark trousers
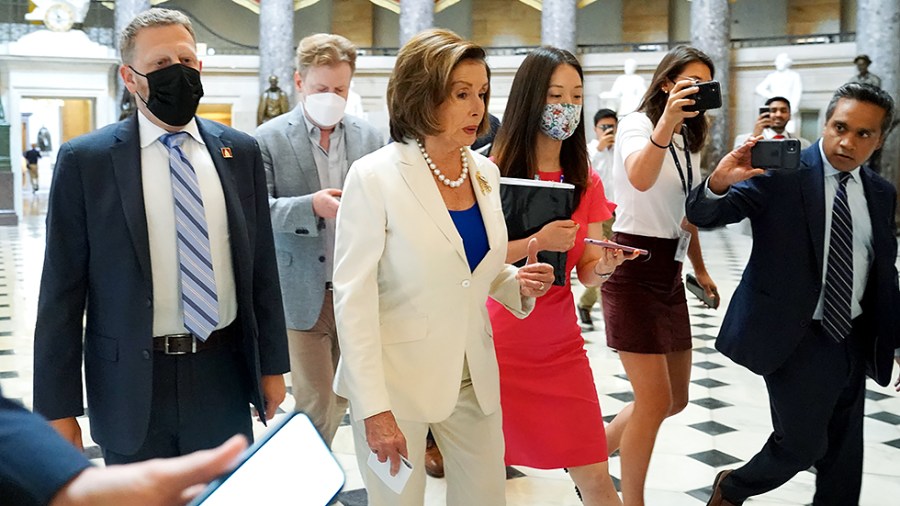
816 399
199 401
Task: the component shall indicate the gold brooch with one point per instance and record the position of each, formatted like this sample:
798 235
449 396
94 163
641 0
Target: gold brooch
482 183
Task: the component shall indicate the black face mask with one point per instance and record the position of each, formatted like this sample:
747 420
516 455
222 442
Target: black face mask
175 92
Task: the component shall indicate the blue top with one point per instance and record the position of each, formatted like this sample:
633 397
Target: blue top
471 228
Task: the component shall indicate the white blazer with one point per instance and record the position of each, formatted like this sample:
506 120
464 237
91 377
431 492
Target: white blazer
408 309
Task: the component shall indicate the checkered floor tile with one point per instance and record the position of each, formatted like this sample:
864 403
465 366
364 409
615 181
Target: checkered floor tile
725 423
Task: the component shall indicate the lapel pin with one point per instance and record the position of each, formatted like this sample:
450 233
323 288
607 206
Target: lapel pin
226 153
482 183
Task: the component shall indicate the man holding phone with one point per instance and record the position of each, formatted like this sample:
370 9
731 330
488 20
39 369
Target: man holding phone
815 311
601 151
306 154
772 122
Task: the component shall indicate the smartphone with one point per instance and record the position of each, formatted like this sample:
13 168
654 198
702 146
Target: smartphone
775 154
612 245
764 111
708 96
693 286
606 127
289 464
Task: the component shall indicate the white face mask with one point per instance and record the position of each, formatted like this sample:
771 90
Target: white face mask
325 109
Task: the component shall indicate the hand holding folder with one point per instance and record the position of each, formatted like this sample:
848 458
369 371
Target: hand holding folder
528 205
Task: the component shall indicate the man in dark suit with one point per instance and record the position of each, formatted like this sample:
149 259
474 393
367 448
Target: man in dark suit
816 309
39 467
158 229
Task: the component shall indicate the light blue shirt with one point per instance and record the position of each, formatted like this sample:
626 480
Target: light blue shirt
332 167
862 231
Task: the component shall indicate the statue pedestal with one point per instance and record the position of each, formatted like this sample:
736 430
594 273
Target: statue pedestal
7 200
73 43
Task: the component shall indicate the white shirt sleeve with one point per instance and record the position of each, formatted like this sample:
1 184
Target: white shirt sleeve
709 193
633 134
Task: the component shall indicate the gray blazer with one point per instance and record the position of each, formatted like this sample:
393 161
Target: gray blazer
292 179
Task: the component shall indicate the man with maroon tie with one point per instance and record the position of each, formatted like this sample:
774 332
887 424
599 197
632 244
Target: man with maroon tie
772 122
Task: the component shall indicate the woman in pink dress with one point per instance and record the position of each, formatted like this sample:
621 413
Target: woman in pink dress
551 414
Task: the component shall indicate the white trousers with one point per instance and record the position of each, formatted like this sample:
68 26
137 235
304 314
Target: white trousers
471 444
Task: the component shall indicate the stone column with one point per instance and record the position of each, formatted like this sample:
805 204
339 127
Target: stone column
125 11
415 16
276 44
711 33
7 175
878 36
558 24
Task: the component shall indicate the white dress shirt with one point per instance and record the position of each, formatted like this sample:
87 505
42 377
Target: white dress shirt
159 205
602 163
770 134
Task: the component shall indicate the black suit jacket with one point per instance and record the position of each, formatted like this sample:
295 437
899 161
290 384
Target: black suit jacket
98 262
36 462
778 293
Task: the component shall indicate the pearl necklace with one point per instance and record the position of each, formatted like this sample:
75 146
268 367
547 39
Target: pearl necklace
437 172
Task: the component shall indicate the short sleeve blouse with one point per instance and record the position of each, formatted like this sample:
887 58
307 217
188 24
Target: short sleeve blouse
657 212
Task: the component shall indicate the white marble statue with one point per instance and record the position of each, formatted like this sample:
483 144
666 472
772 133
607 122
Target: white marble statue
784 82
627 91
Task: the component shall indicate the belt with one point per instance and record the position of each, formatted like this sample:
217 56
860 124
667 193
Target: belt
184 344
329 285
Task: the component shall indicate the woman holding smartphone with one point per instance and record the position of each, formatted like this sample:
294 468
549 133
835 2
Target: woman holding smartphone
657 158
551 413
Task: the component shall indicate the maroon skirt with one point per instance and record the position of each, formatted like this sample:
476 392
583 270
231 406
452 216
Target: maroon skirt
643 301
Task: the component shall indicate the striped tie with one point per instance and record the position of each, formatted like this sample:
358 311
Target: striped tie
198 283
836 319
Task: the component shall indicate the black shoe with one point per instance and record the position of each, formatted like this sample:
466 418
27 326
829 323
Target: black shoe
585 314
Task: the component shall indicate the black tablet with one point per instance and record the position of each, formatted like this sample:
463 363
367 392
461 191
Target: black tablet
290 464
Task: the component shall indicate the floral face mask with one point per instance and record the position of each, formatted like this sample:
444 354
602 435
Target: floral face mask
559 121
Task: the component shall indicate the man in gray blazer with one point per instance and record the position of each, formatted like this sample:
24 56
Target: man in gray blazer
307 153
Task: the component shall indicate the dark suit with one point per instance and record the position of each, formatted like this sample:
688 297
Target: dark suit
98 261
816 385
36 462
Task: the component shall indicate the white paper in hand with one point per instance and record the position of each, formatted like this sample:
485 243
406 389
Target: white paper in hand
383 471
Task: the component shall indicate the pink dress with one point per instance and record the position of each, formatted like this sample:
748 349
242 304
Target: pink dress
551 414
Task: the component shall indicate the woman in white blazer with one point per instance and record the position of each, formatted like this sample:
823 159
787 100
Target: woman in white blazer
421 244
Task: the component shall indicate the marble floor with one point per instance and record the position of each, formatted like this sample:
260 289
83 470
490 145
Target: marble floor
725 423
